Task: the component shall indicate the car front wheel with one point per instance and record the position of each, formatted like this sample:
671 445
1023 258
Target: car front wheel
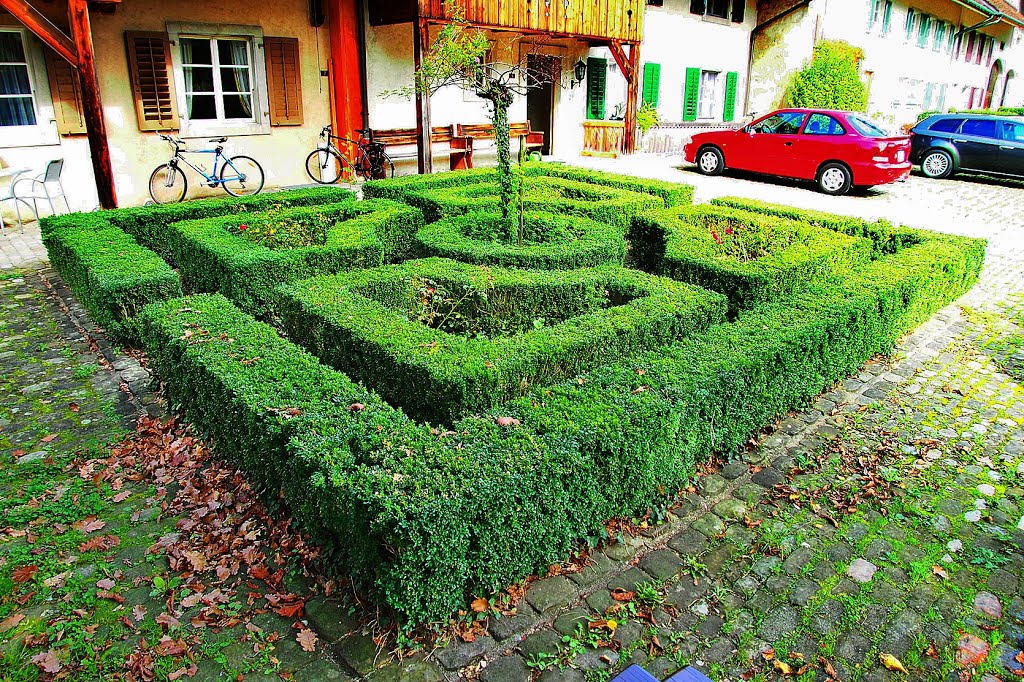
710 161
835 179
937 164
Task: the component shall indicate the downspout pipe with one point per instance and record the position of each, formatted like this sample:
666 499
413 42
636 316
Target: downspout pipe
760 28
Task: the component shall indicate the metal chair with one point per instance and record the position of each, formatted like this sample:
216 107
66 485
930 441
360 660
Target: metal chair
48 182
13 175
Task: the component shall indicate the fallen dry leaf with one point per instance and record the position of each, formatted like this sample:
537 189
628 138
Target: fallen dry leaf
306 639
892 663
47 661
480 605
11 621
23 574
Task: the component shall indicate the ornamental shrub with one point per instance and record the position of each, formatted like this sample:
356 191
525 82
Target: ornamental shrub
426 517
441 338
551 242
215 255
831 80
747 256
110 273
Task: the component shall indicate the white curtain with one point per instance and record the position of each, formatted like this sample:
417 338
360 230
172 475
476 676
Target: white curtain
239 56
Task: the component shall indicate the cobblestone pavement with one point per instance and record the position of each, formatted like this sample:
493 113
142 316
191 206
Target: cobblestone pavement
885 519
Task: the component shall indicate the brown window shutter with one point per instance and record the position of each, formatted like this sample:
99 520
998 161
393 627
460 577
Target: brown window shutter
67 95
149 66
284 81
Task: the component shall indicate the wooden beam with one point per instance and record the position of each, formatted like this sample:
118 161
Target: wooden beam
346 82
424 151
625 65
43 28
632 100
92 107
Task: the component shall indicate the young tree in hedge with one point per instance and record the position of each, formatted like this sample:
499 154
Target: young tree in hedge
831 80
459 57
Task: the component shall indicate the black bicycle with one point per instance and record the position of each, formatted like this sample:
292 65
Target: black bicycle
327 165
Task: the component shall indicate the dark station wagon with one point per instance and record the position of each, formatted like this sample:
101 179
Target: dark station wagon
945 144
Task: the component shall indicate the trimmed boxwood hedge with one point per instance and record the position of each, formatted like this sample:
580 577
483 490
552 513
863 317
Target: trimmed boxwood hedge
214 257
360 323
886 237
108 260
149 224
681 243
426 518
673 194
111 274
575 242
398 189
608 205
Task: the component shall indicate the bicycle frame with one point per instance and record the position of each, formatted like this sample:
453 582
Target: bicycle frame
212 180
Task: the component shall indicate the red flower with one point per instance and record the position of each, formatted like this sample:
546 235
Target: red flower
714 235
243 227
728 230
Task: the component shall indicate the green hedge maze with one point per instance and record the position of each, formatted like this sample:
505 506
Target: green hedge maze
448 405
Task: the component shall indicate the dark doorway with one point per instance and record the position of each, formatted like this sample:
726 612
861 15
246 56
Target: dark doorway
540 101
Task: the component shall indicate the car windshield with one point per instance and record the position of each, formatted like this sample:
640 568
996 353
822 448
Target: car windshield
867 128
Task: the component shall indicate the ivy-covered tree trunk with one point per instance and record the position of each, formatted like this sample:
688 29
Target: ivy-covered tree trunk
501 99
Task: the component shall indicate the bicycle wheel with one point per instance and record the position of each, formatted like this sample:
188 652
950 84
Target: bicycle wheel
168 184
385 167
376 165
241 176
328 166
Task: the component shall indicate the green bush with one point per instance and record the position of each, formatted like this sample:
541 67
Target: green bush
149 224
832 80
885 237
426 517
551 242
214 256
111 274
398 189
747 256
608 205
673 194
441 338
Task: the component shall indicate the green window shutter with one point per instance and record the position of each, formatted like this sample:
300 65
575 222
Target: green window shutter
597 74
691 94
910 24
887 18
652 84
729 111
924 31
873 12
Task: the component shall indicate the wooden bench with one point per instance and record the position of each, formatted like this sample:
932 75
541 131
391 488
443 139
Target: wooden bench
529 141
407 137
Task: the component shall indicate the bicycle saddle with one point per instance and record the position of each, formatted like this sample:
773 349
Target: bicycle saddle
219 140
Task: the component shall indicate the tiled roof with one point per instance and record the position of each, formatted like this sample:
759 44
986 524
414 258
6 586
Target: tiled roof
1010 9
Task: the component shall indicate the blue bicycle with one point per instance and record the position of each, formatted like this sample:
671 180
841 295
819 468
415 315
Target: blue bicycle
239 175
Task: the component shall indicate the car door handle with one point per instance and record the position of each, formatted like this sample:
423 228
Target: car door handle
1004 147
788 144
960 141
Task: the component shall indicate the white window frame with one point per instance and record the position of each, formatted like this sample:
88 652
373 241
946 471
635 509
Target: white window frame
260 123
44 132
710 100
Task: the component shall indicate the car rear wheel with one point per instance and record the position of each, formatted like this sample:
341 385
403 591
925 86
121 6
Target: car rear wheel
937 164
835 179
710 161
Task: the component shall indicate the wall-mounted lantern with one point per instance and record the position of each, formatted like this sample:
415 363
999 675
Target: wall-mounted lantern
579 72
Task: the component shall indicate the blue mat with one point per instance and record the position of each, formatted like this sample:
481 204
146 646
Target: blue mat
635 673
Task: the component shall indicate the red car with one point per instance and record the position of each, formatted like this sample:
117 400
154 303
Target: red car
836 149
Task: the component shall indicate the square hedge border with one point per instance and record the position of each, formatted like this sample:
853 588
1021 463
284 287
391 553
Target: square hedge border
352 322
425 518
214 257
118 261
679 243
